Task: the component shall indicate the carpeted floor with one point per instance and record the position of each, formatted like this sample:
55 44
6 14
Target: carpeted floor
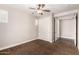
40 47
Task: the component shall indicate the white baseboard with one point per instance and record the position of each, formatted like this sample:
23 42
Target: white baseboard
46 40
13 45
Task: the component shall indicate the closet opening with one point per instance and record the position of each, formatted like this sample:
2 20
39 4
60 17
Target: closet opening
66 27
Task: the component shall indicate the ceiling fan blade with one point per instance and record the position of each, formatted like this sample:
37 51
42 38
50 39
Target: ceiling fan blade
46 10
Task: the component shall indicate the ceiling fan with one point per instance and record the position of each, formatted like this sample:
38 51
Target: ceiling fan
40 9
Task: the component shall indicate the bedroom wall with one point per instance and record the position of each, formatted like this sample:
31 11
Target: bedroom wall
45 28
19 29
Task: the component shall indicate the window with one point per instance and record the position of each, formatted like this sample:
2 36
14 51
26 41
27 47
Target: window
3 16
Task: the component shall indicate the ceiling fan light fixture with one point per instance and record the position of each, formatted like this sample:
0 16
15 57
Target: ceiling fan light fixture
39 11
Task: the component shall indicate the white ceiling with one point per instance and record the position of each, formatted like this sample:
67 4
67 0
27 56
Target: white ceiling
55 8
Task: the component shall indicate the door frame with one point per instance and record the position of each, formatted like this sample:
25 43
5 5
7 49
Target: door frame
76 18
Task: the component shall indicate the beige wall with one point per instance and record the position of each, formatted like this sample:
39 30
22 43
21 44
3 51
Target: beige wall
45 28
20 28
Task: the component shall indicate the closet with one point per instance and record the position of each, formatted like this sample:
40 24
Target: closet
66 27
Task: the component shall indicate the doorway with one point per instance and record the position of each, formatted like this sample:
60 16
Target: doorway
66 27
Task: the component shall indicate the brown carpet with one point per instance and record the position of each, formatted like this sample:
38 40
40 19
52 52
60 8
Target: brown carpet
40 47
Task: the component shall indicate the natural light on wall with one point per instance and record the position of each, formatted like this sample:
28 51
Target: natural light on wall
3 16
36 22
